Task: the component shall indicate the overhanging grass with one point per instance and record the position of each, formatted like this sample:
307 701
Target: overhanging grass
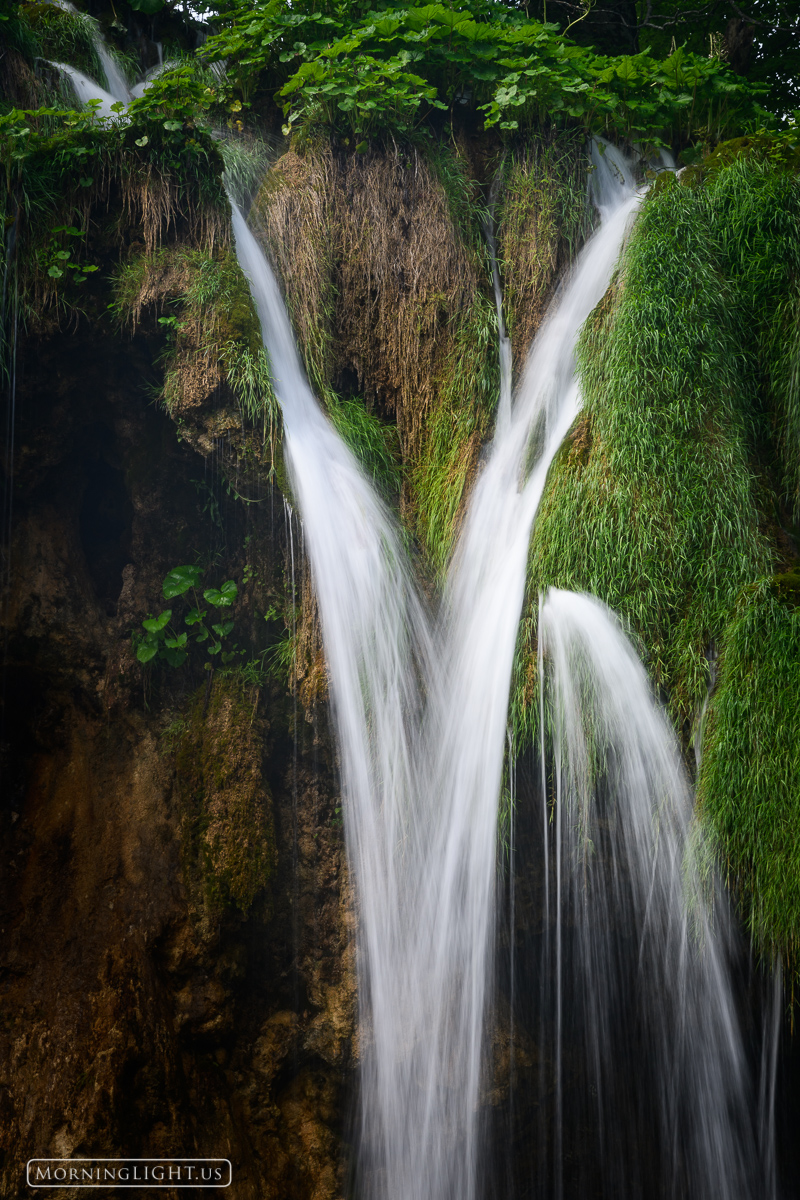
374 444
749 787
543 216
455 431
654 504
204 302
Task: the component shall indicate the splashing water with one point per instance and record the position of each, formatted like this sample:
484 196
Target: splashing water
86 89
420 710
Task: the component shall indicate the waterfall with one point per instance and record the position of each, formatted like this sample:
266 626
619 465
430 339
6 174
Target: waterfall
420 709
86 89
648 994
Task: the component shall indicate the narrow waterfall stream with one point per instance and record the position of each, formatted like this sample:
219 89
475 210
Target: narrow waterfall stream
632 905
420 708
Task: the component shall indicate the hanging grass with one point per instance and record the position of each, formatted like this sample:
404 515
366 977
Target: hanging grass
455 431
749 786
544 216
662 501
213 337
66 36
374 443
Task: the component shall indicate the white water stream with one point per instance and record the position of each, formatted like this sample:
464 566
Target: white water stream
631 905
420 708
119 91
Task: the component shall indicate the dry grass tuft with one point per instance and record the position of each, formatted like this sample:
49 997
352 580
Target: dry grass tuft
163 208
366 246
544 218
293 209
405 274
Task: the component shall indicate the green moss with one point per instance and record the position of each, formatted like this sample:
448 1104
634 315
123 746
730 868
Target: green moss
778 150
226 807
453 434
655 504
211 320
749 787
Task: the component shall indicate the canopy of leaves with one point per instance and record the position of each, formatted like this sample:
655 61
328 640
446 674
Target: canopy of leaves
392 68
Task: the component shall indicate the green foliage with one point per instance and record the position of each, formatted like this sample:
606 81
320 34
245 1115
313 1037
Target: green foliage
65 36
61 163
749 786
398 65
455 430
652 504
362 95
374 444
58 262
163 643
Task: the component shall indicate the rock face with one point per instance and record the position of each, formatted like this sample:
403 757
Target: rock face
176 933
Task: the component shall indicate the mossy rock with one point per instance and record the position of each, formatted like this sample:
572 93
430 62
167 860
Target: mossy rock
64 36
776 150
749 786
655 502
226 806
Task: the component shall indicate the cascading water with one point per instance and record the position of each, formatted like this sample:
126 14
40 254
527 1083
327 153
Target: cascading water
86 89
647 995
420 711
119 91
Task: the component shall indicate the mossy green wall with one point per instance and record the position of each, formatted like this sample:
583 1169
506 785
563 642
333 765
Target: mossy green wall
673 500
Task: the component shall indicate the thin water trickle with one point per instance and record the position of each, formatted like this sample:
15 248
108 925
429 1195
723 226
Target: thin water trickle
503 341
420 710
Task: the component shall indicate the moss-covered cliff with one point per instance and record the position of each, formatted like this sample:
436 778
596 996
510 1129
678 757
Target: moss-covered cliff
674 498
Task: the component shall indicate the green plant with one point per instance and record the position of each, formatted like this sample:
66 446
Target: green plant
58 261
162 641
388 70
374 444
660 502
749 786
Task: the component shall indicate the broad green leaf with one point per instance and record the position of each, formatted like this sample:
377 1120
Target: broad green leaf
175 658
156 624
179 580
222 597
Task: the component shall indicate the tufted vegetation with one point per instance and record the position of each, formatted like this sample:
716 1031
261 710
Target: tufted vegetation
749 787
661 502
674 500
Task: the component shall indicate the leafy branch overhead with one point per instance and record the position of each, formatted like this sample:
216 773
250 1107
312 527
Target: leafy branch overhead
396 67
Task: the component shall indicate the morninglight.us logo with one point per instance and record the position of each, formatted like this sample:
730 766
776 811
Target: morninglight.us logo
129 1172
